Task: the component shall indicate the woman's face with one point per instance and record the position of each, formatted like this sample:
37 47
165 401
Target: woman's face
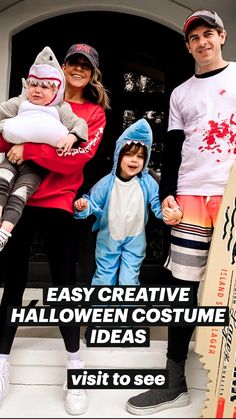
78 71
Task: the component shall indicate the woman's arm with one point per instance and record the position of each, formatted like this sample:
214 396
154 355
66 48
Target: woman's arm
4 145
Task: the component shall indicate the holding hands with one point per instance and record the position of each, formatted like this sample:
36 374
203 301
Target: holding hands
172 214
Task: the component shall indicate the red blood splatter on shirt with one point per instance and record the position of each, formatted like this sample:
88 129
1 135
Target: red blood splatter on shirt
222 92
217 132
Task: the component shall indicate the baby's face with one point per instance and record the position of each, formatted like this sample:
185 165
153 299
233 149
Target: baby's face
40 94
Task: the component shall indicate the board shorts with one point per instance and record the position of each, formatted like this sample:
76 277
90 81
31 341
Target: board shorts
190 239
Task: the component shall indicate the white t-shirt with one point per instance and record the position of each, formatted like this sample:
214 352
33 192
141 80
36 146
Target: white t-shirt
205 109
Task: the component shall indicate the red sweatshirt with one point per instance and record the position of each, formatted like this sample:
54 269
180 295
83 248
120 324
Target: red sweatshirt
59 187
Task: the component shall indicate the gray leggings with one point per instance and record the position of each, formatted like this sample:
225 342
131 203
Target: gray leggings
17 183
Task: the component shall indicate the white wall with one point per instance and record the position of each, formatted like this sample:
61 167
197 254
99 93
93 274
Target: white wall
169 13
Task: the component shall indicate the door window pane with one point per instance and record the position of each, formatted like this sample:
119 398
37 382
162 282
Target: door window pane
136 82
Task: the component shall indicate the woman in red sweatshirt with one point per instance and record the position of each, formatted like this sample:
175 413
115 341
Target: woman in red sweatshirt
50 210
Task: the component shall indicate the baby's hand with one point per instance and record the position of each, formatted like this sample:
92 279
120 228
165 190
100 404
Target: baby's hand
81 204
172 216
67 142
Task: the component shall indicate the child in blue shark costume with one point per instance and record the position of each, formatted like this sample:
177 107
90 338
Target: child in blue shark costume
120 202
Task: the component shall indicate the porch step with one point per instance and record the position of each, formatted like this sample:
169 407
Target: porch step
42 361
37 372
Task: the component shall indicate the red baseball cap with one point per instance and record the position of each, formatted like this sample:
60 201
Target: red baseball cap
209 17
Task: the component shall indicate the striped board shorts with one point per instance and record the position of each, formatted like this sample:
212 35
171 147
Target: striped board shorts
190 240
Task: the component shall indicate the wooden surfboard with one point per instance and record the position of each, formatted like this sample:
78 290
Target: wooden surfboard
217 345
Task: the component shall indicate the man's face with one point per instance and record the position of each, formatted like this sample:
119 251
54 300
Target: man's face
204 43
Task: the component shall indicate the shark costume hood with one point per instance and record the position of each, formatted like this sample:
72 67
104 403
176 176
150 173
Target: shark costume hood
46 68
139 132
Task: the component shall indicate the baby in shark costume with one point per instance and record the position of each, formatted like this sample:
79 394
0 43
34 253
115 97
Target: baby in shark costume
38 115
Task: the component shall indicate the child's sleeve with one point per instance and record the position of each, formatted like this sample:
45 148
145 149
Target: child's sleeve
96 199
76 125
9 108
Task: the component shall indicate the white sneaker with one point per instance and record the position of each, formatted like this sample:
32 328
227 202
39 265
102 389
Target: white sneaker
4 378
76 401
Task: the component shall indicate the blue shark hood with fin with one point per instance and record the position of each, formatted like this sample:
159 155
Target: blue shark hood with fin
139 132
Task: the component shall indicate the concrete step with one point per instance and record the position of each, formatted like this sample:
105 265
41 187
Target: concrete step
37 373
45 401
42 361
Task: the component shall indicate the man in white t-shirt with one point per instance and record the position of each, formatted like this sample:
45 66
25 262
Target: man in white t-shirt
199 153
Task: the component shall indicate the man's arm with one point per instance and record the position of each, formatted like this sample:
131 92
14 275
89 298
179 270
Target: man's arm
171 163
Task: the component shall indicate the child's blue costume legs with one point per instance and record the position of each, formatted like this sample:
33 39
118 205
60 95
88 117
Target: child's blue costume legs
118 256
132 255
107 260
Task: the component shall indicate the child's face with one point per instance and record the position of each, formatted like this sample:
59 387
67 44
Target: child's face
132 163
40 95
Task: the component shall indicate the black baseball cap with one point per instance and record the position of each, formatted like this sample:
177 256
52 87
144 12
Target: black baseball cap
85 50
210 17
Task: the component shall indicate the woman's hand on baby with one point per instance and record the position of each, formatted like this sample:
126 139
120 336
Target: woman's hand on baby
15 154
81 204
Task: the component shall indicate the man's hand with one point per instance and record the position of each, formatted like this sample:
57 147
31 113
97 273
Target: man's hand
15 154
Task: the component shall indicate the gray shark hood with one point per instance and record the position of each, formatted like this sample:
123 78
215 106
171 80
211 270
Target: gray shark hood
46 68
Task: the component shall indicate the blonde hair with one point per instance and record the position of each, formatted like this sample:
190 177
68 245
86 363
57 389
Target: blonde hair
95 91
